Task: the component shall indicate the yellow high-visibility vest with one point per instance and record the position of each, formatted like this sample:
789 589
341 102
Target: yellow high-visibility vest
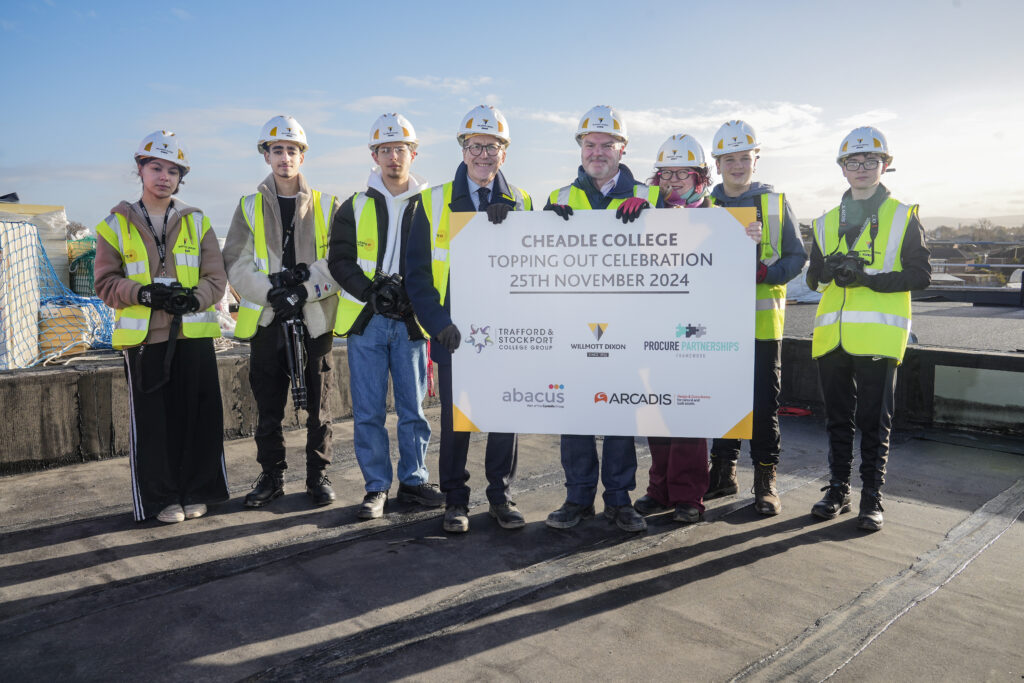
770 307
435 205
864 322
249 312
573 196
131 324
364 209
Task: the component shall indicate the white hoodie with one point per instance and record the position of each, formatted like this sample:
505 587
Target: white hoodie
396 209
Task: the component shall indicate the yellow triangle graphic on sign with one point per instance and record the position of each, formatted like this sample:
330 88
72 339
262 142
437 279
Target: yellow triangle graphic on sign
461 423
457 222
742 429
744 215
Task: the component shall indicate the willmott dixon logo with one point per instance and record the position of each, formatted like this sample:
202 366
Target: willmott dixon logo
480 337
598 330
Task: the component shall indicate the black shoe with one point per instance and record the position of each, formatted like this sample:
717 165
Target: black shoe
835 502
268 486
646 505
626 518
569 515
373 505
686 514
319 489
456 519
426 495
721 478
508 515
870 517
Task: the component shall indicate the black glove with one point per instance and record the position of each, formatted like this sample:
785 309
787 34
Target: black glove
631 208
496 212
449 338
563 210
154 295
182 304
826 275
287 301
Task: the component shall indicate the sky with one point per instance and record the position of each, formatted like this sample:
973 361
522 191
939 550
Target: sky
85 81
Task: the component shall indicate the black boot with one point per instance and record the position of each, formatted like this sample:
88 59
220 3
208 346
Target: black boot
318 487
722 478
266 488
835 502
870 517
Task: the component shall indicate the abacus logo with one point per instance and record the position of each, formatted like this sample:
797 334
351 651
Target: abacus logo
552 397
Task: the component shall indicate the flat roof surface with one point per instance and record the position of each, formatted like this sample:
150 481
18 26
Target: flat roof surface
291 592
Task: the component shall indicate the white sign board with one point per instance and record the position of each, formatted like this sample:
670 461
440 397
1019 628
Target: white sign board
593 326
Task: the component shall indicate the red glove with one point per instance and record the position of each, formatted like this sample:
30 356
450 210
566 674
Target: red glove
762 272
631 208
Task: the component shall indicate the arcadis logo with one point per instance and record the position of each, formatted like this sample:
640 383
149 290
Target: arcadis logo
553 397
633 399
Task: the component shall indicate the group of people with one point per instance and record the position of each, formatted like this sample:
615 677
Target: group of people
374 269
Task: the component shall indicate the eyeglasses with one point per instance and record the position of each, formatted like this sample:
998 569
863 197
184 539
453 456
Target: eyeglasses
396 149
869 165
681 174
475 149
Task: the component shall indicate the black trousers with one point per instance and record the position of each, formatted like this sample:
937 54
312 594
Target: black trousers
859 394
271 386
500 458
176 442
766 441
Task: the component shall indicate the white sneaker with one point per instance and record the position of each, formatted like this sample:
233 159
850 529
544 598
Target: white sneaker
171 514
193 511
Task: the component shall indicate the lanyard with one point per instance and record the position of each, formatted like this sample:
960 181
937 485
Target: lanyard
872 234
161 242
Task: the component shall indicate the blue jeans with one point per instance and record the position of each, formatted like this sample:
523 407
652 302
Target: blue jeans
383 347
617 469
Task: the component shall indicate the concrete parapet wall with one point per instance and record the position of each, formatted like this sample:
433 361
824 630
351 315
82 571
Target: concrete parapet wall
80 412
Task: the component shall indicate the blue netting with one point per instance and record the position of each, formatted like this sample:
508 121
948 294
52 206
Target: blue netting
40 318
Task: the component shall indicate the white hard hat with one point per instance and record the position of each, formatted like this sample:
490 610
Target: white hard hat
602 119
734 136
392 128
282 129
864 140
163 144
483 120
681 150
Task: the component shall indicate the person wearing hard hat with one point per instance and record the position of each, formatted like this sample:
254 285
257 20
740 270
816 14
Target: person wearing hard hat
602 182
479 185
678 477
368 244
158 265
868 254
780 258
276 254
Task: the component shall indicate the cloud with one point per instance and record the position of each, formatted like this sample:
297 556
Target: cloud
379 104
449 84
873 117
181 14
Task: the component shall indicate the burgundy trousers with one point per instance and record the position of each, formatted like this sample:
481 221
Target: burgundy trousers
679 471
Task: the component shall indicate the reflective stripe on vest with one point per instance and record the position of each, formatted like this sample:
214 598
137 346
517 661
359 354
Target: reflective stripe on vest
249 312
576 198
436 207
364 211
131 324
770 304
864 322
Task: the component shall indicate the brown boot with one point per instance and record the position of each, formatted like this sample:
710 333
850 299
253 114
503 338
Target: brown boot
766 496
721 478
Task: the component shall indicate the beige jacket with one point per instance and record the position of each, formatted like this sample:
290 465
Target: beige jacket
117 291
321 305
